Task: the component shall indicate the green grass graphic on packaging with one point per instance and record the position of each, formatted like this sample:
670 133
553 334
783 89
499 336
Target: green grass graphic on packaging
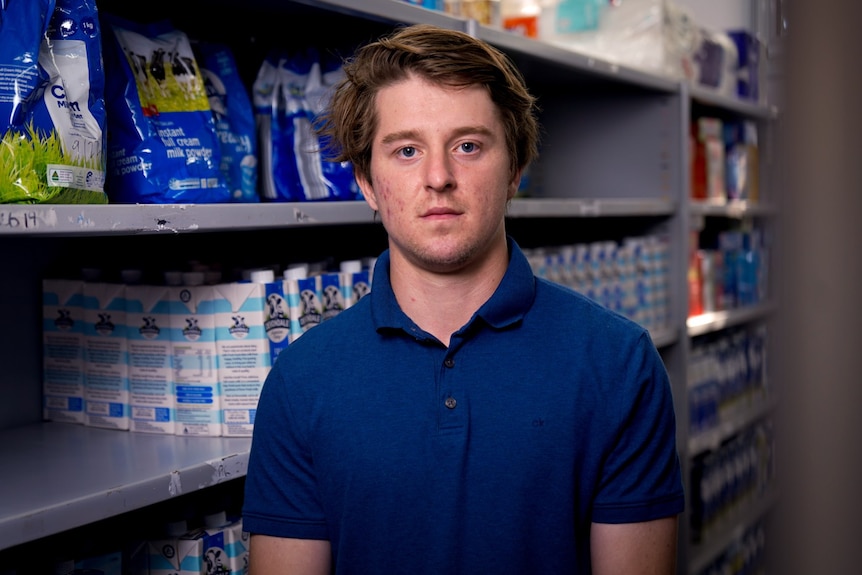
24 161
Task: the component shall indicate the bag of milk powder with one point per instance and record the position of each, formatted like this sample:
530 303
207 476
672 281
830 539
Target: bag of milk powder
234 119
289 92
162 145
53 106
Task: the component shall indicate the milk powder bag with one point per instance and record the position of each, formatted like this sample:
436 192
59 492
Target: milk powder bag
163 147
53 108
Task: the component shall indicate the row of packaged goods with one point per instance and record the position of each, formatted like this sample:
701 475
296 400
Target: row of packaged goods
185 356
184 127
732 273
724 160
727 377
746 555
731 478
214 543
188 355
630 277
659 36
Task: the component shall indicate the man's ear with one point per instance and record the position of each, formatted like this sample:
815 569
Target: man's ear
367 191
514 185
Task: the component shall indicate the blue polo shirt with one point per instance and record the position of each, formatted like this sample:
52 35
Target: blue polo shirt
547 412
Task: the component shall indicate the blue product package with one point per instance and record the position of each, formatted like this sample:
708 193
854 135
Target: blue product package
290 91
162 145
233 115
748 75
52 102
337 176
22 27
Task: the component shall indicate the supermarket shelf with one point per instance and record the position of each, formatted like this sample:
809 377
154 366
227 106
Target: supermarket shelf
713 438
125 219
68 475
747 108
731 209
718 320
730 530
589 207
589 66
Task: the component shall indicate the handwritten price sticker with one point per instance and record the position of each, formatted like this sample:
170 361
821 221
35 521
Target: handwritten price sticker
27 219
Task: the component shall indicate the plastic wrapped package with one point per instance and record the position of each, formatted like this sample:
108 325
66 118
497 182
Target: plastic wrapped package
653 35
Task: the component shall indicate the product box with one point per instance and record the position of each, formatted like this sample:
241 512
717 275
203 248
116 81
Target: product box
750 71
152 404
195 359
332 299
276 321
243 352
708 160
218 548
62 350
305 305
106 375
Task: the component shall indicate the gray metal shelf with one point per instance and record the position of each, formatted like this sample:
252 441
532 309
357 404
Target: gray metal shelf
732 209
718 320
132 219
66 475
589 207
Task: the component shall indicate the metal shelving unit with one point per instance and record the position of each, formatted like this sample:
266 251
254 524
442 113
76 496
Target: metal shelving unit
61 477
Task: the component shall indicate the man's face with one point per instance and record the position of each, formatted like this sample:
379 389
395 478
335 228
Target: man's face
440 173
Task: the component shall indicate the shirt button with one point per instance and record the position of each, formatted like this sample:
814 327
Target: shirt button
449 362
451 403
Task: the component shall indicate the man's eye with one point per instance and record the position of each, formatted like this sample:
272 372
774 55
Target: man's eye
408 151
468 147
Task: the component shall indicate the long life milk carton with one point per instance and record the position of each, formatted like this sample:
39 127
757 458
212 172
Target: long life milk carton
151 396
194 357
220 546
62 350
243 352
106 383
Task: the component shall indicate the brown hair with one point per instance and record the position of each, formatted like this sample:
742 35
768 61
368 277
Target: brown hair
448 57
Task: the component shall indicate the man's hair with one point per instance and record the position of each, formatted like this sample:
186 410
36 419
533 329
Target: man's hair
446 57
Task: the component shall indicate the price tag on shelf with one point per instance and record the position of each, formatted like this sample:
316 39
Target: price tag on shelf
18 218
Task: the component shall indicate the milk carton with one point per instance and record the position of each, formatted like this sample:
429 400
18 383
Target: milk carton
304 301
194 357
225 545
163 555
243 351
62 350
332 299
151 397
106 378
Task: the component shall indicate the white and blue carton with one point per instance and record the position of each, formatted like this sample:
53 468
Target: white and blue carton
194 357
243 352
106 374
152 404
62 350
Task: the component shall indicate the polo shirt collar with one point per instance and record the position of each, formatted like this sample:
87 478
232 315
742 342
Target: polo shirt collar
508 304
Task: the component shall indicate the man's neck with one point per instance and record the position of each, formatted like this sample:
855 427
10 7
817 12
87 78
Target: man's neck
442 303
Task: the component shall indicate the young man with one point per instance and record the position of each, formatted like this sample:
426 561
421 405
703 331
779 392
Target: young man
465 416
